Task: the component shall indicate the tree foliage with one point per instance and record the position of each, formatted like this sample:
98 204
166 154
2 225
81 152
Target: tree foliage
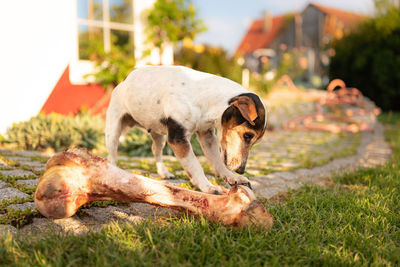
369 58
210 59
170 21
112 68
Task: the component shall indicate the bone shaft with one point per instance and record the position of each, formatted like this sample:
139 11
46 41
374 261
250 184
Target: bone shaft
132 187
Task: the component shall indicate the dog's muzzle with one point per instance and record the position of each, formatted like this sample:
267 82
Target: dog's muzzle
240 170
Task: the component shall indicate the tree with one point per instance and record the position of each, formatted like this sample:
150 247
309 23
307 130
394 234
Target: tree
209 59
170 21
369 58
384 6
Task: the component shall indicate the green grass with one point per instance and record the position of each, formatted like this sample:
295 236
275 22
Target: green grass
353 221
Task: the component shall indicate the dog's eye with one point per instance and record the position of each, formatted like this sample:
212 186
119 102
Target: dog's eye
247 137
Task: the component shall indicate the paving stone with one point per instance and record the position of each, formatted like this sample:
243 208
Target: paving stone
3 163
17 173
31 163
3 184
39 169
174 181
9 193
303 172
253 171
111 213
7 230
28 153
294 186
73 225
281 176
17 158
23 206
256 183
5 151
266 156
269 192
288 176
289 164
31 182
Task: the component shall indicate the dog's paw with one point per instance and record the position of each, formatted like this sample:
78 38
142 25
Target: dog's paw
167 175
211 189
163 172
236 179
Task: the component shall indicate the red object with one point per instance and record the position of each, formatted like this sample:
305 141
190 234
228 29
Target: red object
67 98
347 17
257 38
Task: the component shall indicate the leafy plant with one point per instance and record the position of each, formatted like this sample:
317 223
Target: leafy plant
57 132
138 143
369 59
112 68
209 59
170 21
60 132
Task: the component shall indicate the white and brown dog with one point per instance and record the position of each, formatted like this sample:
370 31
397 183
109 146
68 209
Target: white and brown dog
172 103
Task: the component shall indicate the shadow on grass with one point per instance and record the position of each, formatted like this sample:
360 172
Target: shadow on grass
354 221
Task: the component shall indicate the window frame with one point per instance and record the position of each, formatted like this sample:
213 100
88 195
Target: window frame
106 25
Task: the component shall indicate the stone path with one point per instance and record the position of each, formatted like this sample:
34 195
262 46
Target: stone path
283 160
277 164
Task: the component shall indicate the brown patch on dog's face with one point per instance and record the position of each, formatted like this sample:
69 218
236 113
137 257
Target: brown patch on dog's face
239 135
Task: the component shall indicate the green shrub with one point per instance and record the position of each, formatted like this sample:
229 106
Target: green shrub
60 132
369 59
213 60
57 132
137 143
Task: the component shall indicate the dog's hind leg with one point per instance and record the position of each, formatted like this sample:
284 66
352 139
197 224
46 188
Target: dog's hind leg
116 119
113 132
157 148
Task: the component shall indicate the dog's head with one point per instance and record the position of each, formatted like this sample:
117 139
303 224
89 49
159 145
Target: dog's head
242 125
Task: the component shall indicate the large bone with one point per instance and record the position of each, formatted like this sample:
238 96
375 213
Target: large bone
76 177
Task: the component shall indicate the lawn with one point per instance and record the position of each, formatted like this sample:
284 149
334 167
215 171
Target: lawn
353 221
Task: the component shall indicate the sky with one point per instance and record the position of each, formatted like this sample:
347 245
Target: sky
228 20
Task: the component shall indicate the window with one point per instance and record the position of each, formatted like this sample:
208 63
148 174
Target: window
104 26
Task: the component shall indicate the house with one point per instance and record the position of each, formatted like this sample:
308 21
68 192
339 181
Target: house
309 32
45 52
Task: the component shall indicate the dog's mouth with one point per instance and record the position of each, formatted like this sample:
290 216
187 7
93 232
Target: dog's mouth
239 170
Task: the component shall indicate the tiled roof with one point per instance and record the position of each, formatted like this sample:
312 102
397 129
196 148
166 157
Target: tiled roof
347 17
67 98
257 38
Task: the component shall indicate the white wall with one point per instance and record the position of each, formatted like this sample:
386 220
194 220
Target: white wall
38 39
35 48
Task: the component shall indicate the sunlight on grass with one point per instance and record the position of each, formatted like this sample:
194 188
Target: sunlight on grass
354 221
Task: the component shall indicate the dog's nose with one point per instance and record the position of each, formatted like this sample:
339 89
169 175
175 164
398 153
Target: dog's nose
240 170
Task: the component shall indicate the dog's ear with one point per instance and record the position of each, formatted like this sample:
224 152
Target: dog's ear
247 108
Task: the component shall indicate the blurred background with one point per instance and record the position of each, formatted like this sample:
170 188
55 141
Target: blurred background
64 57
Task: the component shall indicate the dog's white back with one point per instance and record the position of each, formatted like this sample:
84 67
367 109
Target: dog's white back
178 92
172 103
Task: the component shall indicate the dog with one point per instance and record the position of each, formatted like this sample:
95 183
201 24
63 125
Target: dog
172 103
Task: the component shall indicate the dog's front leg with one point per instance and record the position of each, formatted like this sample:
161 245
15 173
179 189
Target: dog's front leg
209 143
179 141
184 153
